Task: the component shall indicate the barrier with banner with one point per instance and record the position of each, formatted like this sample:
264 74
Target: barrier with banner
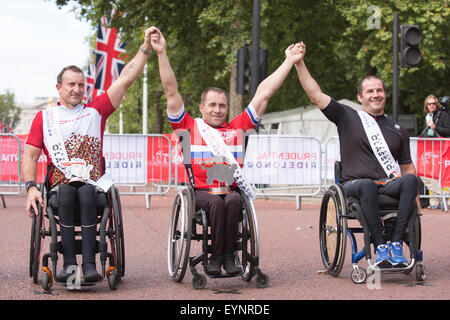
272 162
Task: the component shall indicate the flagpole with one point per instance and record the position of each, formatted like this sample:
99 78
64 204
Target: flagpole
144 102
120 120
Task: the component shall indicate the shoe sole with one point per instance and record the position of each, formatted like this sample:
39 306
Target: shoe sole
384 264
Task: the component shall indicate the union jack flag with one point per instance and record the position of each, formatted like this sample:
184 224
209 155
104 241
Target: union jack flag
90 91
107 63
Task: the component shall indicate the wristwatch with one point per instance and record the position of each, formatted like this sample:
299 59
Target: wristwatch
29 184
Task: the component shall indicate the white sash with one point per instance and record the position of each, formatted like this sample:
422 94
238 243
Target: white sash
75 168
378 144
218 148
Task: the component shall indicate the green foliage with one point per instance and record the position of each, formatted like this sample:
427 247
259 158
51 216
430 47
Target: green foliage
8 109
203 36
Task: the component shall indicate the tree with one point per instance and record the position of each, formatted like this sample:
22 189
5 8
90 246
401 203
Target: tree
203 36
9 112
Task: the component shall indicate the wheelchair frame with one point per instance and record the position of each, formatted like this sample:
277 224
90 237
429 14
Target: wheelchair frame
111 227
344 209
183 229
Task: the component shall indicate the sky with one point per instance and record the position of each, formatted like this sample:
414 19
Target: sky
38 41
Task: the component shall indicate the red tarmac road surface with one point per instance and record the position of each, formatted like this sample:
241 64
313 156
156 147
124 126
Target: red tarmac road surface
290 256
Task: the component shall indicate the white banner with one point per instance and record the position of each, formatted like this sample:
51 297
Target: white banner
126 158
282 160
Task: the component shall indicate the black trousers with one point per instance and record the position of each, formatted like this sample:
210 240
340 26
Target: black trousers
224 215
405 189
70 197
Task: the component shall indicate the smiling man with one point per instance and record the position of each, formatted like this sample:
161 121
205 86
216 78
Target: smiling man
366 161
207 135
71 136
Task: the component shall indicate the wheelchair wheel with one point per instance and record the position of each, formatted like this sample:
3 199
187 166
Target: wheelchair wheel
249 237
116 238
333 229
119 235
37 236
180 233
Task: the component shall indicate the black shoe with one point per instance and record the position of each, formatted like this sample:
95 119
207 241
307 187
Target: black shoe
67 272
229 264
90 273
215 265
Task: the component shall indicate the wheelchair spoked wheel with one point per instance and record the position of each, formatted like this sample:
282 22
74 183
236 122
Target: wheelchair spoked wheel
248 240
180 233
250 245
117 242
37 236
333 229
119 232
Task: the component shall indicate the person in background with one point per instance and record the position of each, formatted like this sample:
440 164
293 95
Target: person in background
437 119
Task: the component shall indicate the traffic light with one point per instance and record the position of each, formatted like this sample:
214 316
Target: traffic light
410 39
243 71
263 57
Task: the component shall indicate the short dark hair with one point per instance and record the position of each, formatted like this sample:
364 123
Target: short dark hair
204 93
71 68
369 77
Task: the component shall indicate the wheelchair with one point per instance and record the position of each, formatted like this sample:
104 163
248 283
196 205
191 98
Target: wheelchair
335 212
188 224
109 216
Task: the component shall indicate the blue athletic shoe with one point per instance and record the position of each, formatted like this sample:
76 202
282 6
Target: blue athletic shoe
396 253
382 257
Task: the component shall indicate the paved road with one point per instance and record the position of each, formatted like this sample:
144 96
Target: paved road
289 255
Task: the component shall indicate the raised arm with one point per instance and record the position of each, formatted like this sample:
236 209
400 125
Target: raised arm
308 83
272 83
130 72
168 79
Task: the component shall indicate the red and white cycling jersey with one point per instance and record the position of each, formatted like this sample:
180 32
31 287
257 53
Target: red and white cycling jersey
82 131
232 133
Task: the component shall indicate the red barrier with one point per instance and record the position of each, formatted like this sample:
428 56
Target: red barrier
433 158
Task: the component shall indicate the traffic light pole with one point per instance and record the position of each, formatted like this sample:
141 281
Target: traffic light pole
254 80
395 34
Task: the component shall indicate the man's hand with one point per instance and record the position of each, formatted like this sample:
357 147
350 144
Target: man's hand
147 45
158 42
296 52
34 196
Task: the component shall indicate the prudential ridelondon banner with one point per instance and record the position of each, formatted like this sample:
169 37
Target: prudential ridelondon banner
283 160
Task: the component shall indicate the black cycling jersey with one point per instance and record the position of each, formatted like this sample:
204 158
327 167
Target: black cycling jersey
357 158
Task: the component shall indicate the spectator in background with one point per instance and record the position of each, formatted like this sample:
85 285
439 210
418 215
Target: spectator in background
437 120
437 124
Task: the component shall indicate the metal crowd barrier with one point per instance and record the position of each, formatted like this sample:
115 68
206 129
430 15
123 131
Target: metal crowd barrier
140 162
284 166
10 165
431 159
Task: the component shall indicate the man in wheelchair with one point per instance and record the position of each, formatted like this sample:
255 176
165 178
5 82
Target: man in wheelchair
71 136
371 145
211 136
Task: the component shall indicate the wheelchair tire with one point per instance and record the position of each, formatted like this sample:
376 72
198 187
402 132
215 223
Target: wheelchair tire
198 281
248 231
117 239
333 229
121 239
36 243
180 233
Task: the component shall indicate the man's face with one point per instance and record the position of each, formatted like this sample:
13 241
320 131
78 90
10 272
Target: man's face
71 90
214 110
373 96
